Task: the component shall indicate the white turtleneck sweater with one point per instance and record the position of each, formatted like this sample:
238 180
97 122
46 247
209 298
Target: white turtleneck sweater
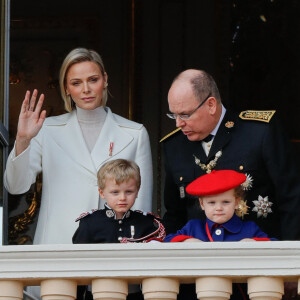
91 123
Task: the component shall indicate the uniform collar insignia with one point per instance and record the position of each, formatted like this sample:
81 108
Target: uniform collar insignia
111 214
108 211
229 124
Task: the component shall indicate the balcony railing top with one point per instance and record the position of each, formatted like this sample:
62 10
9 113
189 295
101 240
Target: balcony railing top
135 261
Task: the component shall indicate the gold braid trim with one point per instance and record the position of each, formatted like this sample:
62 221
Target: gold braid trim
257 115
169 134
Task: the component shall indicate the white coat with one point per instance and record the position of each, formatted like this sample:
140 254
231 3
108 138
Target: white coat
70 170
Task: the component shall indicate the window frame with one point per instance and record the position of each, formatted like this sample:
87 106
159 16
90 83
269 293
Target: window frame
4 117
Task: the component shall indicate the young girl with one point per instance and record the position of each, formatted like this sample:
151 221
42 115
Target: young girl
220 194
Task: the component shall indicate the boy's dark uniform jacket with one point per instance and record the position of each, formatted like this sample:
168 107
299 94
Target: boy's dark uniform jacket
256 148
100 226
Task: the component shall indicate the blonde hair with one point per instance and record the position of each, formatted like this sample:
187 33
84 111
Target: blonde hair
239 192
78 55
120 170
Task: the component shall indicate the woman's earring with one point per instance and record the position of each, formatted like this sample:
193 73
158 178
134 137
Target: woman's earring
106 84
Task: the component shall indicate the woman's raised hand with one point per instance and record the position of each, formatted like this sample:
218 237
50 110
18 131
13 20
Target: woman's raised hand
31 120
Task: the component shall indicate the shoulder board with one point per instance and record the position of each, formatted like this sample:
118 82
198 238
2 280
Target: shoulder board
257 115
169 134
85 214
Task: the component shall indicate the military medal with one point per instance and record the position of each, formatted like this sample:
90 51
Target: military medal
247 185
132 231
262 206
181 192
242 209
207 168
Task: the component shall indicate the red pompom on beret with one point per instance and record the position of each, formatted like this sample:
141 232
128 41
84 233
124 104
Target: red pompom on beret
215 182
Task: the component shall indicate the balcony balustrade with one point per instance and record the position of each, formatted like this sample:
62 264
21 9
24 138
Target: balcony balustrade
159 267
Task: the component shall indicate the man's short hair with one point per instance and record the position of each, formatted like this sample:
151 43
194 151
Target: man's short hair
120 170
203 84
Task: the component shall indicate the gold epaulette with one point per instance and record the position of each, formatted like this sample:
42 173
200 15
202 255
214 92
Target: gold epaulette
169 134
257 115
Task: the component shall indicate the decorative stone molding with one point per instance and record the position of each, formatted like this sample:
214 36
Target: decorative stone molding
148 263
193 260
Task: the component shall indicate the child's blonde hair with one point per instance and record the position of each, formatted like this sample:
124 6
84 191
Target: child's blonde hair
120 170
239 192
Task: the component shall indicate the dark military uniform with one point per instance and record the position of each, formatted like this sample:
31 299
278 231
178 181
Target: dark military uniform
256 148
100 226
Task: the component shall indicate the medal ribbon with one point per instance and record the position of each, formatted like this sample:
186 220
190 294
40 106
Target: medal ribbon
111 145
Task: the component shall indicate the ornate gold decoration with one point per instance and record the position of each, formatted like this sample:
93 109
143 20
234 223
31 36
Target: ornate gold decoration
18 225
169 134
242 209
229 124
207 168
257 115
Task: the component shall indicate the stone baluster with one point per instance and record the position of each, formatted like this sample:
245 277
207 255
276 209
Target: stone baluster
160 288
109 289
213 288
264 288
58 289
11 289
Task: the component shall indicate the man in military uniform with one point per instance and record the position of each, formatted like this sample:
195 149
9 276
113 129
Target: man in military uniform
210 137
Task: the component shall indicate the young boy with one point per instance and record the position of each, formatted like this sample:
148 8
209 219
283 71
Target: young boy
119 182
219 195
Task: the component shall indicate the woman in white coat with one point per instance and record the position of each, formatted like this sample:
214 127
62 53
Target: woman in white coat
69 149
